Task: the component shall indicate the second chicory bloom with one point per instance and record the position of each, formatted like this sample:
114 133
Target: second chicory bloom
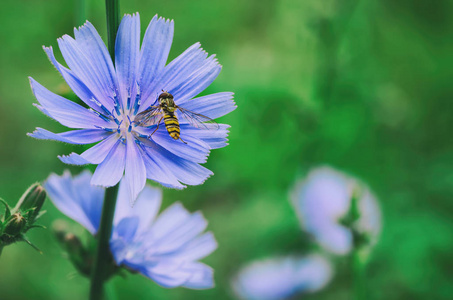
282 278
114 95
323 202
166 247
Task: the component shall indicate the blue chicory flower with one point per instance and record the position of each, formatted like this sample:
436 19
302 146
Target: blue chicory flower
323 200
282 278
114 95
166 247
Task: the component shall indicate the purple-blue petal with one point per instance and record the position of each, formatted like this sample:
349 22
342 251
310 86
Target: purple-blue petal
185 171
135 172
198 248
177 71
154 53
146 207
76 198
94 155
110 171
169 220
79 88
83 136
195 149
157 170
64 111
213 138
127 49
213 106
181 233
73 159
126 228
94 48
198 80
80 62
202 276
170 279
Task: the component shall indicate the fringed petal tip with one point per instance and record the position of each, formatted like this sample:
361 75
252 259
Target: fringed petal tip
50 55
156 18
42 134
210 173
202 278
43 110
32 82
83 136
100 184
86 24
35 134
171 186
64 38
73 159
136 14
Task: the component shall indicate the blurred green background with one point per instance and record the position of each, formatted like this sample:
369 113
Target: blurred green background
364 86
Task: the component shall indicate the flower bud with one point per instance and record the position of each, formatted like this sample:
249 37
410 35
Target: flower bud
77 253
14 225
32 201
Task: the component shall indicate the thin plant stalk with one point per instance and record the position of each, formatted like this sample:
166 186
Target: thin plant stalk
358 274
113 22
331 34
103 258
81 6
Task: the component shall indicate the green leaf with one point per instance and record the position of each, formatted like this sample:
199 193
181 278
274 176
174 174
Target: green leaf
37 226
24 239
7 210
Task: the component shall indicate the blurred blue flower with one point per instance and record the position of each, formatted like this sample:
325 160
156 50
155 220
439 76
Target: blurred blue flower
165 247
323 200
114 95
282 278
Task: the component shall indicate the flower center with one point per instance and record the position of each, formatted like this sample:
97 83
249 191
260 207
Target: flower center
125 127
122 116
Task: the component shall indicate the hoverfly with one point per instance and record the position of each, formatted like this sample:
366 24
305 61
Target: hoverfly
166 110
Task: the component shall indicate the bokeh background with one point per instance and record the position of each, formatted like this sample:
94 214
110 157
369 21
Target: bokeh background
364 86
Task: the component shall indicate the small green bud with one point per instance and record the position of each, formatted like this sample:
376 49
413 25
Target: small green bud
16 222
14 225
31 201
60 228
76 251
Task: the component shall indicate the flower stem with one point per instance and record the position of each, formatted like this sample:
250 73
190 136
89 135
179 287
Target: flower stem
358 270
103 258
331 33
113 21
81 12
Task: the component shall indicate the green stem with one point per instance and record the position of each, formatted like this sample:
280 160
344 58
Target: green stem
103 258
113 22
358 269
331 33
81 12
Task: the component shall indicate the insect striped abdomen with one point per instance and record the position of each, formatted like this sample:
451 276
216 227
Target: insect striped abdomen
172 124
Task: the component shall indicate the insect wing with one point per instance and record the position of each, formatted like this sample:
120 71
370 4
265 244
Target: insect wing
198 120
149 116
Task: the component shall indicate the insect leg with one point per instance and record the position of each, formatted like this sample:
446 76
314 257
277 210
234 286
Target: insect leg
182 140
157 127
